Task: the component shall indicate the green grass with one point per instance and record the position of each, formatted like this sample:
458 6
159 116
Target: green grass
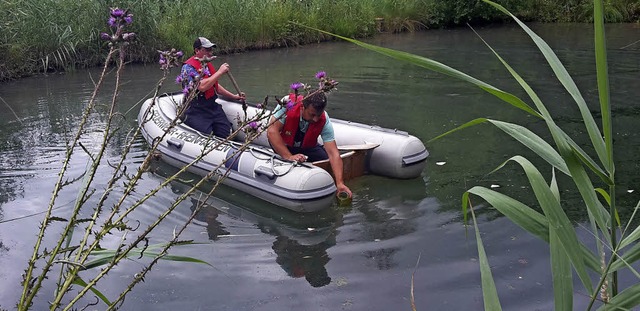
58 35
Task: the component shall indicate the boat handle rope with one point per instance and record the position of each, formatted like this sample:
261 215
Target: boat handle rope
272 160
273 169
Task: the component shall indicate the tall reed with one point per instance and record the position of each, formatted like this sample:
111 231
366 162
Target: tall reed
593 175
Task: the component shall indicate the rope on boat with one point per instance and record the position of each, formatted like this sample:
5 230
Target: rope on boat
271 159
273 169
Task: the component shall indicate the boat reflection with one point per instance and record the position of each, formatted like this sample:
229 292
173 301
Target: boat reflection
301 240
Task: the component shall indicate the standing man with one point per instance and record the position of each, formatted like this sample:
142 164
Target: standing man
204 114
293 134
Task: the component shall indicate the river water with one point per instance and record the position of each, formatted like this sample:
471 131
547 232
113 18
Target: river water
361 257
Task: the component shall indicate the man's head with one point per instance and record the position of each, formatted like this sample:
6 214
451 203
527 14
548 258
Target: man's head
203 47
313 107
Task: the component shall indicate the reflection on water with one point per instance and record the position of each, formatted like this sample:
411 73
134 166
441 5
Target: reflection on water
306 261
209 215
300 251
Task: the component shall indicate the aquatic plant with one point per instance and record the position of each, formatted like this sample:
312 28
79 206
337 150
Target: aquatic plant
325 84
81 262
616 244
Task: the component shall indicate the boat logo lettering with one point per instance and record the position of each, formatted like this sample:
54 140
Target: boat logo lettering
186 136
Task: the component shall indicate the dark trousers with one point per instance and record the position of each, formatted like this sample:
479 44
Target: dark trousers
316 153
207 116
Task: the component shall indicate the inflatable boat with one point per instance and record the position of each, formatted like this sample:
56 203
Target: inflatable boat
257 170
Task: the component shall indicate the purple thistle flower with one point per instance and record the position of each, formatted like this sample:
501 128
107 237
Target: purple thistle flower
179 79
185 90
321 74
289 105
206 71
179 54
162 60
259 106
112 22
128 19
253 125
296 86
117 12
105 36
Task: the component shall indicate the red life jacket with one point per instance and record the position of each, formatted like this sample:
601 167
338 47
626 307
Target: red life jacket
193 62
291 127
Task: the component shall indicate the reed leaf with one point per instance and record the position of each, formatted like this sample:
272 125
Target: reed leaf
533 142
625 300
554 185
559 223
489 291
524 136
567 156
79 281
559 134
589 162
603 79
566 80
566 145
102 257
560 263
629 257
463 126
521 214
441 68
561 273
631 238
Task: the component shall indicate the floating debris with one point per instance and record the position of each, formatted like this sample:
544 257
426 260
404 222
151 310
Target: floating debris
630 191
441 163
311 229
495 186
341 281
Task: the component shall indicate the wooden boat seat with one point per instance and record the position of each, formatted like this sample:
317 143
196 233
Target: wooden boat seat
353 160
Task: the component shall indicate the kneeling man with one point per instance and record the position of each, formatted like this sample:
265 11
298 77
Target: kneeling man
294 132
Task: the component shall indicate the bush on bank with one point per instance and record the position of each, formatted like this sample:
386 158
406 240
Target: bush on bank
55 35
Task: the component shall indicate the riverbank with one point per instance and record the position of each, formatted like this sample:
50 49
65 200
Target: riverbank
70 39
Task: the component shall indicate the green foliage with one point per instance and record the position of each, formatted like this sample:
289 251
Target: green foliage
50 35
568 254
615 11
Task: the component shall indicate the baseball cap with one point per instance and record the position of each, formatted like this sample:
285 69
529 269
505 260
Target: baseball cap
203 42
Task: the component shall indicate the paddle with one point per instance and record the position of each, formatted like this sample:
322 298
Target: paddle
235 84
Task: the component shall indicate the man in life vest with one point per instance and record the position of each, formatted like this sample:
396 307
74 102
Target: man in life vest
203 113
294 131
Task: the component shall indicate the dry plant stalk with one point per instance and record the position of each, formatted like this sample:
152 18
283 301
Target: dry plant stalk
72 259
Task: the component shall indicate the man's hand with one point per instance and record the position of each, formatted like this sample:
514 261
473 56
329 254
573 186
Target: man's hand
297 157
343 188
224 68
